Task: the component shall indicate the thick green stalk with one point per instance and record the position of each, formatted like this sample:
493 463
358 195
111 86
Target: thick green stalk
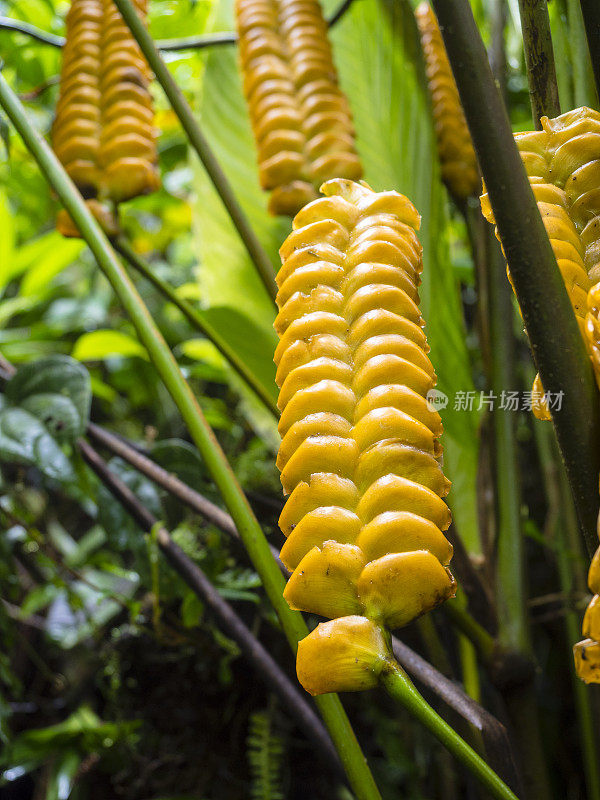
584 68
199 321
358 772
539 57
549 319
399 686
200 144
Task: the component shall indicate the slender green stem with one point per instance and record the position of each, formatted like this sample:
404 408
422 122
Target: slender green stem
591 18
199 321
200 144
562 52
483 641
546 308
399 686
584 67
470 669
356 767
18 26
539 57
511 595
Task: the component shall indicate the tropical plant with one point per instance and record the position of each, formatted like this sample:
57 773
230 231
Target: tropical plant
145 619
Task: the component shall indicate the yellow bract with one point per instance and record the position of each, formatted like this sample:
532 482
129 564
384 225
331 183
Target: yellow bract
300 118
457 156
343 655
562 162
360 454
103 129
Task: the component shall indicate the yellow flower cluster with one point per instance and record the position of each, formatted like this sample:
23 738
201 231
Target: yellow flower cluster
300 118
103 128
562 162
360 454
457 156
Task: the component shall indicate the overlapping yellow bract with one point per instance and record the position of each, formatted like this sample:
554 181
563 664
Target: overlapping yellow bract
127 156
562 162
457 156
103 132
300 118
360 452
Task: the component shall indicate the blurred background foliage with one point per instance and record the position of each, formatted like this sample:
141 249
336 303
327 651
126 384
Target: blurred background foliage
113 681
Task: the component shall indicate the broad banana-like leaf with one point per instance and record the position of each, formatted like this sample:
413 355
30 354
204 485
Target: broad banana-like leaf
376 51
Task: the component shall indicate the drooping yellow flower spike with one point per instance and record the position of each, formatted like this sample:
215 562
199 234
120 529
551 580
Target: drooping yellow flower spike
76 128
360 453
300 118
457 156
127 154
102 132
562 162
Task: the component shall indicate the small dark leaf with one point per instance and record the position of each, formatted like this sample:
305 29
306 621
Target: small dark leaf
55 374
57 412
25 440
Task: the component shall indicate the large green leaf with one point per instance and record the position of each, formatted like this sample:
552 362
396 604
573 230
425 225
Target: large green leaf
376 51
99 345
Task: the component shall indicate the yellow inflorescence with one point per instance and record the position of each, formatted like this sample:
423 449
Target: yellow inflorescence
301 119
127 154
76 128
102 132
360 452
562 162
457 156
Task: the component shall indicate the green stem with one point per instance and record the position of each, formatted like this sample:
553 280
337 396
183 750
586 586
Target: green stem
199 321
562 51
539 57
547 311
583 73
591 18
399 686
200 144
511 596
484 642
470 670
356 767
